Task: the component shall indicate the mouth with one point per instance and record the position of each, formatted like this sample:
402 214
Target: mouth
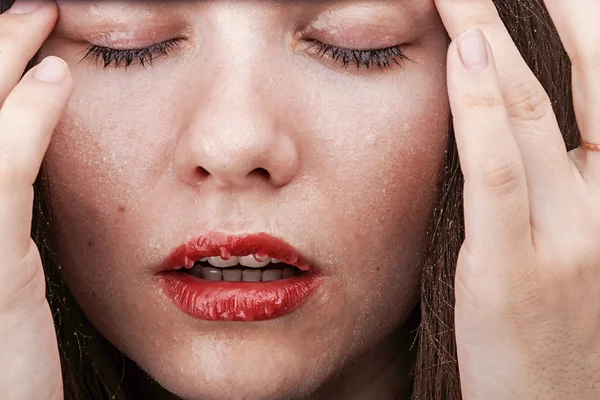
257 277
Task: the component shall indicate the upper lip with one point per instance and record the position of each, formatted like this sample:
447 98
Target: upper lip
219 244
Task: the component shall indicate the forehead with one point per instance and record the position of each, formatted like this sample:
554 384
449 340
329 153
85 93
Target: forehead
101 9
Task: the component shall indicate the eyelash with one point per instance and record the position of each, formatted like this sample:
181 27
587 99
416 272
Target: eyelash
381 58
144 56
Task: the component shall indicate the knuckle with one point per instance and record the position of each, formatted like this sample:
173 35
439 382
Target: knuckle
484 19
482 101
477 13
583 273
503 176
578 265
564 270
527 101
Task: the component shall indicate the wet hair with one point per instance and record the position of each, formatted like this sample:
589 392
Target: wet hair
94 369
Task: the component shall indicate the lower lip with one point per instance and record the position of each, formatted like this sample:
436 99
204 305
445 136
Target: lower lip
237 301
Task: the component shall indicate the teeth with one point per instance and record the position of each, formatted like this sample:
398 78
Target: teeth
250 275
241 275
288 273
252 262
196 270
232 275
219 262
211 274
271 275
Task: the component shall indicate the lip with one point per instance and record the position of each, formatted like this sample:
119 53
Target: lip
237 301
220 244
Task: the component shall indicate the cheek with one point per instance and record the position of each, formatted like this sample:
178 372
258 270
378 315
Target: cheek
376 153
378 150
103 164
111 145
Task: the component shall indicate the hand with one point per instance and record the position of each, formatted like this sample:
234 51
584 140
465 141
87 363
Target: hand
528 277
29 112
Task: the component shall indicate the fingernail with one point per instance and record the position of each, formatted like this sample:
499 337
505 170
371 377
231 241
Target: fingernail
51 70
25 6
472 49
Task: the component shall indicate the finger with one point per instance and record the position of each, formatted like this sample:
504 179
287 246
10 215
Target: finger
577 24
21 36
27 120
497 219
533 123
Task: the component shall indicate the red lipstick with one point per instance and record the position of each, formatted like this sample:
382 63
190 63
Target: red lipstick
236 301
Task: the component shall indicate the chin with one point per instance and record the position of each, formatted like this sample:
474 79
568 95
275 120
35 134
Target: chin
217 369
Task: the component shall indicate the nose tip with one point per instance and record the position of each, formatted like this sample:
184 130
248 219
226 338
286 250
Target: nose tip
268 162
239 133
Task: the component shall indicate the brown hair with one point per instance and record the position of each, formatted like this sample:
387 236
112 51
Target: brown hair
94 369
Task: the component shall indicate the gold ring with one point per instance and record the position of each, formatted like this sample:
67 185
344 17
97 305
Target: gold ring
590 146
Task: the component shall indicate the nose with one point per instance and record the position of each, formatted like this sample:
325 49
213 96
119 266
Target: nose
236 138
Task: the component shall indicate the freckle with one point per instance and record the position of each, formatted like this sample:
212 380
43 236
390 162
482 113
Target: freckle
121 208
90 244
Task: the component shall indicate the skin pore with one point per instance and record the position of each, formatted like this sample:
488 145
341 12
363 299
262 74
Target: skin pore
243 127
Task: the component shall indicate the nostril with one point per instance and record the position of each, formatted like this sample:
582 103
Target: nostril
260 173
202 172
227 178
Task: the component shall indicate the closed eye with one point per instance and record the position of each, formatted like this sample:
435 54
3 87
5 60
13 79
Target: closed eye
124 58
379 58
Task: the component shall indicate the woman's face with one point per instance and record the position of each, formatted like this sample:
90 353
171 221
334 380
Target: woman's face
245 125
